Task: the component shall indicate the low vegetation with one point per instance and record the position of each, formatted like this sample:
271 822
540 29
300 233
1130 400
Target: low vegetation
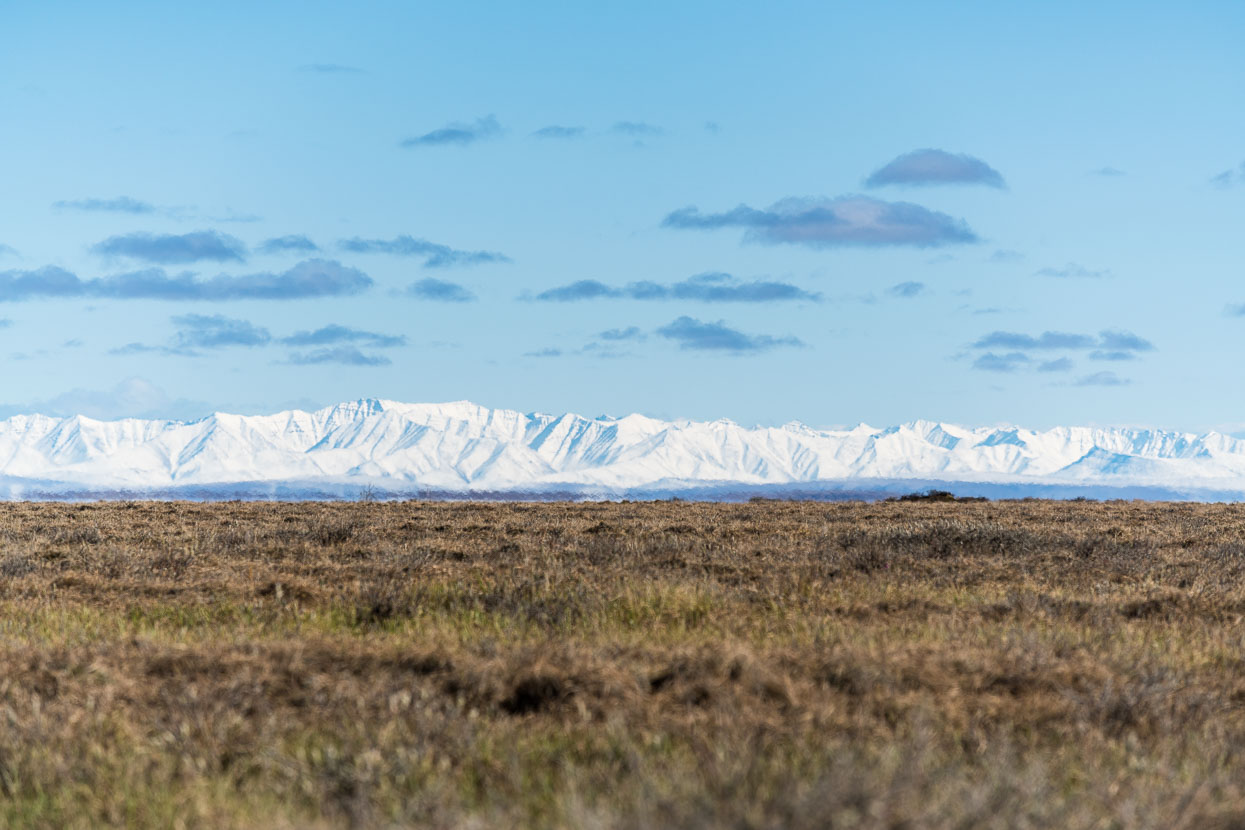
913 664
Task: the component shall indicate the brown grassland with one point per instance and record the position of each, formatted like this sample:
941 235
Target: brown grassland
634 665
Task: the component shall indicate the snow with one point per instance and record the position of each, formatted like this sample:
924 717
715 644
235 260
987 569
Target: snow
461 446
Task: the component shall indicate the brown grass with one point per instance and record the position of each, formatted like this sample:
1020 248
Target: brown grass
924 664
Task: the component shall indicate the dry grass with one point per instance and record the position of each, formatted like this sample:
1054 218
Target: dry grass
766 665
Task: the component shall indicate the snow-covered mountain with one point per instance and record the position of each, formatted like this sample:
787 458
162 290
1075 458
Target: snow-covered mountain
460 448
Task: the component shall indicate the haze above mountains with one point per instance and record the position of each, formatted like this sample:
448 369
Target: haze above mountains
386 448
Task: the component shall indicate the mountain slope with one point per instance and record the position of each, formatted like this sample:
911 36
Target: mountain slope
462 447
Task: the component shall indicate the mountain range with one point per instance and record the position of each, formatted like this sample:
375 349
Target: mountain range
380 448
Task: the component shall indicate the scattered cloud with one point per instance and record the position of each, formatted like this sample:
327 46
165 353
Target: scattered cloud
331 69
284 244
1102 379
1002 255
143 348
339 344
1230 178
169 249
544 353
1062 364
713 127
1107 341
1046 340
579 290
1109 344
824 223
333 334
636 129
440 291
434 254
906 289
310 278
213 331
603 351
693 334
629 333
1009 362
933 167
1124 341
457 133
121 204
1109 172
710 287
8 250
344 355
1072 271
131 398
559 131
230 215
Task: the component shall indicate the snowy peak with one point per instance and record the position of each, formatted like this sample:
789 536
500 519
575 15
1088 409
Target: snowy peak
462 447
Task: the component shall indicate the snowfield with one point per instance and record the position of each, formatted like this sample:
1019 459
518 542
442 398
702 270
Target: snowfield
386 447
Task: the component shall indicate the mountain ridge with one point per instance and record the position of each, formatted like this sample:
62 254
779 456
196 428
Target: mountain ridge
462 447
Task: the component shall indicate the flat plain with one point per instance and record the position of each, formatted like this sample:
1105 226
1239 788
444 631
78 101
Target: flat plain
624 665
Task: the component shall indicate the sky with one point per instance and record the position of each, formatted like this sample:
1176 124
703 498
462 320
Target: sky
831 212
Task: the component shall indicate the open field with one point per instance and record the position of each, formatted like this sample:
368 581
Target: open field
764 665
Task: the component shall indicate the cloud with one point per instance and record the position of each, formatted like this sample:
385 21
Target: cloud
344 355
1107 341
1102 379
331 334
121 204
711 287
457 133
435 255
331 69
1046 340
440 291
691 333
1109 172
49 281
310 278
558 131
544 353
131 398
824 223
1124 341
168 249
283 244
1002 255
1061 364
636 129
933 167
1230 178
1009 362
1101 354
579 290
1072 271
629 333
906 289
213 331
8 250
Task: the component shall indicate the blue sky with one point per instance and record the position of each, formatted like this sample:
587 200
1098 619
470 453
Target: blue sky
831 212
